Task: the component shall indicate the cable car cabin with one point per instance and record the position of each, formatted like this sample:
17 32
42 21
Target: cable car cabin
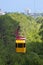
20 44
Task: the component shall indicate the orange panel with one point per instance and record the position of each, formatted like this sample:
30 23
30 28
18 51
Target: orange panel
20 41
22 50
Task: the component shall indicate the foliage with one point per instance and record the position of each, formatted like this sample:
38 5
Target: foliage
31 29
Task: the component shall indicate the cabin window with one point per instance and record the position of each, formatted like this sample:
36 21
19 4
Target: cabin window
20 45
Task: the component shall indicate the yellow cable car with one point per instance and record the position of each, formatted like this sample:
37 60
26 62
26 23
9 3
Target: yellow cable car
20 44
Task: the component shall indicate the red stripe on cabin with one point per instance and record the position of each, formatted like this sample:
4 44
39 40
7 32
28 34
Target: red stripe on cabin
20 38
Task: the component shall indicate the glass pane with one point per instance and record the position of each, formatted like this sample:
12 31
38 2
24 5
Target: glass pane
20 45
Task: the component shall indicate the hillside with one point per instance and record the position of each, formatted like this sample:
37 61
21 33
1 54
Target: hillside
29 28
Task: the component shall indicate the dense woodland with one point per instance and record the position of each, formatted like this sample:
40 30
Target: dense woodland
32 29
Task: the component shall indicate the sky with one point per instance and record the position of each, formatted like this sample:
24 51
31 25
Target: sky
21 5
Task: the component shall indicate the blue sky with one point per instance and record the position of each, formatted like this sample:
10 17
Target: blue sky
21 5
